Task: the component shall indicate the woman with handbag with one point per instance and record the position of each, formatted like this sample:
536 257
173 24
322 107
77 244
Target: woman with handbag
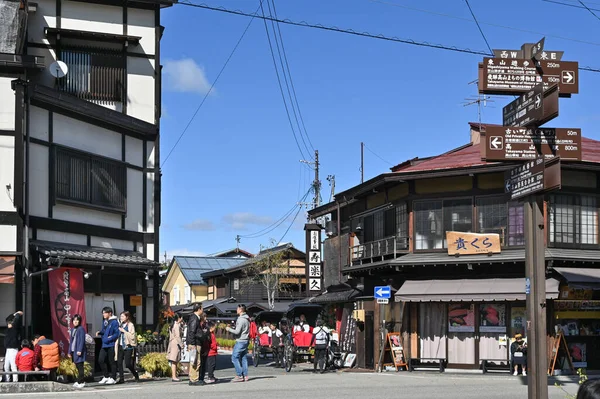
175 346
125 347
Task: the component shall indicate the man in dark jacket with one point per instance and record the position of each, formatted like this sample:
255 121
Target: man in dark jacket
12 343
195 337
110 335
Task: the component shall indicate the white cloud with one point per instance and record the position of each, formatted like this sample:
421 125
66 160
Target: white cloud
200 225
242 220
185 75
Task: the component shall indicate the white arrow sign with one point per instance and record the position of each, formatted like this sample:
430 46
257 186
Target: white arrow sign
567 77
496 143
538 101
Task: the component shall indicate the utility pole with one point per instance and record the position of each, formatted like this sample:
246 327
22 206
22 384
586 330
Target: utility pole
362 162
237 240
331 180
317 182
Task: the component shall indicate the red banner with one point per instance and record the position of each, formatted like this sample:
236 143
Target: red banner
66 300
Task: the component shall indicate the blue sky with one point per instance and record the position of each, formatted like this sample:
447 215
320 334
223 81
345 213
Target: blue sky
237 168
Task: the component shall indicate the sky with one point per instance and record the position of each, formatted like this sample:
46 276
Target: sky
237 168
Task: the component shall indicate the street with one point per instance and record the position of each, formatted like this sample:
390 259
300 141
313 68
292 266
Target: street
301 382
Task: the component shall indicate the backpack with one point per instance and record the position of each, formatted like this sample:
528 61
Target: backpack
321 337
253 331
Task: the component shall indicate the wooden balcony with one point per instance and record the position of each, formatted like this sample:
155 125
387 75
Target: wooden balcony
377 251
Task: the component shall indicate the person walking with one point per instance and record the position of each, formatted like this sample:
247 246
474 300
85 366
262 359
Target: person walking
125 347
77 350
110 335
194 340
321 341
12 343
240 349
175 346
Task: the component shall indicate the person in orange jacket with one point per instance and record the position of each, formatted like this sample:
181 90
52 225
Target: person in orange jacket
25 357
46 355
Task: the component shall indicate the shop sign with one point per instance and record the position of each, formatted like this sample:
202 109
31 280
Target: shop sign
461 317
576 305
314 265
135 300
493 318
517 320
472 244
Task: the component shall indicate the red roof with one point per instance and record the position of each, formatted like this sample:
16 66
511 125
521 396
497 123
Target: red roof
470 155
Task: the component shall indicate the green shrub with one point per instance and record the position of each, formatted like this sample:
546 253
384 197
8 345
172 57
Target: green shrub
164 331
157 364
68 368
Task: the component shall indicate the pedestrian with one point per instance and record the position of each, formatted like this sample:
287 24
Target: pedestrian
518 351
175 346
205 347
24 358
240 349
125 347
46 356
211 362
77 350
195 338
321 341
590 389
277 345
12 343
110 335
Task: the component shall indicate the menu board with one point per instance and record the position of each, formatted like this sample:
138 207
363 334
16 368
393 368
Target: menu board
461 317
492 318
348 331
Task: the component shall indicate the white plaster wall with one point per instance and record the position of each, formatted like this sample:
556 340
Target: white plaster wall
7 302
8 238
84 215
134 149
149 309
7 176
150 202
150 148
91 17
45 16
7 104
38 123
141 23
57 236
140 247
38 180
135 190
111 243
140 88
150 251
86 137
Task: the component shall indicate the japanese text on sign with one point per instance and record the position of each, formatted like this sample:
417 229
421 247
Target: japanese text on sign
472 243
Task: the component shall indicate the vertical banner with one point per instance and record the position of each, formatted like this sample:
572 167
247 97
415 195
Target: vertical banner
66 300
314 272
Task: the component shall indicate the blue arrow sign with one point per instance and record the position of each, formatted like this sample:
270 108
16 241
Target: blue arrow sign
384 292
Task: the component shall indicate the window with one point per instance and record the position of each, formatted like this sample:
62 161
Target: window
175 294
187 292
573 220
382 224
434 218
87 179
495 215
378 226
95 75
401 221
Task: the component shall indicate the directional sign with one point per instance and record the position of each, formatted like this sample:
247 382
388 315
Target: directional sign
544 55
536 49
383 292
517 76
522 144
525 179
535 107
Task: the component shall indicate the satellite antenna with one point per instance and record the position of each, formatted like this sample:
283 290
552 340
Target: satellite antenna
58 69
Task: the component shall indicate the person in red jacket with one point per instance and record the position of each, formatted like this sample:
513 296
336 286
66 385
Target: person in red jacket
24 359
211 360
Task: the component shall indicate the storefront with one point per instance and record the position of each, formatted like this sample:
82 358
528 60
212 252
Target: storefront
465 321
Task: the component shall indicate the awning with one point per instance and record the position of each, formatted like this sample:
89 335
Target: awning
337 293
7 269
469 290
580 278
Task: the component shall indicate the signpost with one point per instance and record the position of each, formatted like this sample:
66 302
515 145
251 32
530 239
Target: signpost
516 76
535 107
505 143
525 179
536 49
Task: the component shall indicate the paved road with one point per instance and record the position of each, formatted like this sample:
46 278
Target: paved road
301 382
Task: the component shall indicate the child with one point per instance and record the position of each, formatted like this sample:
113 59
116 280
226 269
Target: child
12 344
277 345
205 347
25 357
211 362
77 350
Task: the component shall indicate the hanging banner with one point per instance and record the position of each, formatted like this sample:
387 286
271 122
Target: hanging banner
66 300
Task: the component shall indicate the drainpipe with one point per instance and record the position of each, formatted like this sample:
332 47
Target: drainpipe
339 230
26 205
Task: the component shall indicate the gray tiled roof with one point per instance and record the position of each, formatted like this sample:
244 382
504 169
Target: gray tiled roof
93 254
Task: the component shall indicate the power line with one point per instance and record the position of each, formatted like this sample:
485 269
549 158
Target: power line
568 5
373 152
487 23
210 89
589 9
287 111
291 224
291 80
478 26
356 33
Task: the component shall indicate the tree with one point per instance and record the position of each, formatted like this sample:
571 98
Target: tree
269 268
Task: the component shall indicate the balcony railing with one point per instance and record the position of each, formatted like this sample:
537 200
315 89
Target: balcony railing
375 251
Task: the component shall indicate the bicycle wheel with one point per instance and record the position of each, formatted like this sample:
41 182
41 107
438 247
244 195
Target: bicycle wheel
288 357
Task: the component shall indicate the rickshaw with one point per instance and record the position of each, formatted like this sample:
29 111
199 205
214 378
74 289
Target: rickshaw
299 344
263 341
